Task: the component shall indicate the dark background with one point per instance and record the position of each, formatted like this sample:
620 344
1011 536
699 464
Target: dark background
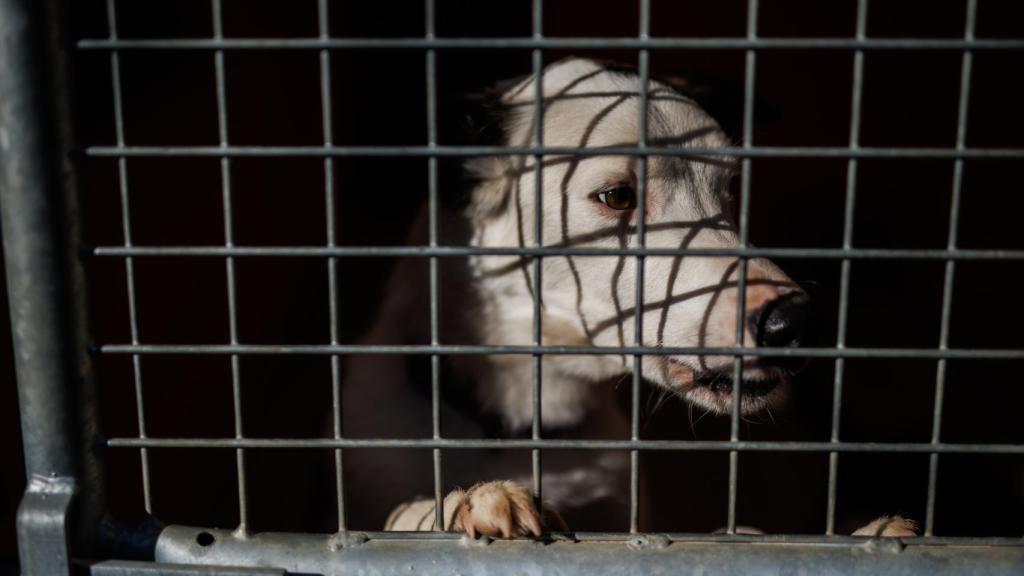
910 99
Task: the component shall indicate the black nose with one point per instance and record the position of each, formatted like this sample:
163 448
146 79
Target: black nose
786 322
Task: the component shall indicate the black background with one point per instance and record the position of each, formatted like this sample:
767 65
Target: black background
803 99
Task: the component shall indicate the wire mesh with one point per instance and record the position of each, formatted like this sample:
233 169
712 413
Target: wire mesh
430 44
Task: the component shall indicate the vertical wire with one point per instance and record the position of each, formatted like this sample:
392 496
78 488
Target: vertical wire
947 287
225 174
129 263
538 233
741 285
332 262
435 360
844 273
641 192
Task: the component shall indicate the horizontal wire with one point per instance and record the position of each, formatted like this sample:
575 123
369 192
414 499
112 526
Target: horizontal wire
549 42
469 151
453 251
567 444
472 350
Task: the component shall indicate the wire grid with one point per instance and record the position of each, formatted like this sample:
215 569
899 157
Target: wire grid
644 148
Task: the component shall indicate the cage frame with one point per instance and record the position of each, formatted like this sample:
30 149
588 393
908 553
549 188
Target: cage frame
61 521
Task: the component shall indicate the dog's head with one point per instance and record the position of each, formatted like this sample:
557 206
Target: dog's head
591 201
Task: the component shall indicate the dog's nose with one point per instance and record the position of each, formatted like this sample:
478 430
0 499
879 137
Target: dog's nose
786 322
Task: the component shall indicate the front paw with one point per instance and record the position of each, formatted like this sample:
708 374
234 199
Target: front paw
500 508
890 527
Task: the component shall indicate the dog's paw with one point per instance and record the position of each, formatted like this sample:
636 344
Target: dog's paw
501 508
889 526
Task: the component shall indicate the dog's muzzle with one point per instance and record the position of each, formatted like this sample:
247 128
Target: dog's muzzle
789 321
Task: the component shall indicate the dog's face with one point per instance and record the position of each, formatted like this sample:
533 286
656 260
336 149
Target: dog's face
590 201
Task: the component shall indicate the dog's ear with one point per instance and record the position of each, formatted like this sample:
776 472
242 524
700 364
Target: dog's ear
489 183
485 113
502 87
482 115
484 125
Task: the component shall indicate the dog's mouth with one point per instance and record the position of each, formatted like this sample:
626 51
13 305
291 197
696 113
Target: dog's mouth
721 382
761 387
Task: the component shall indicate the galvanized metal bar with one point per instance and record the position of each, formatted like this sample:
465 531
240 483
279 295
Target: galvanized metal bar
229 265
323 28
638 313
624 150
63 497
474 350
433 207
597 554
34 247
549 43
538 236
43 525
551 444
844 274
947 285
129 264
741 285
139 568
552 250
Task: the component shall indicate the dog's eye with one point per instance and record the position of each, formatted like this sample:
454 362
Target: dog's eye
618 198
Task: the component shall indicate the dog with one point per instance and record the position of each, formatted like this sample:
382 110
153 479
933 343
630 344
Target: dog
585 201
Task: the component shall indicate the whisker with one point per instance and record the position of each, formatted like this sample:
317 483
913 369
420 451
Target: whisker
701 417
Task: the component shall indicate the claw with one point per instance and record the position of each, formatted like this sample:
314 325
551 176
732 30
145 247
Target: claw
499 508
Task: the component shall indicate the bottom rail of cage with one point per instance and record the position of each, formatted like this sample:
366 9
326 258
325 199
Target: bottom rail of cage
591 554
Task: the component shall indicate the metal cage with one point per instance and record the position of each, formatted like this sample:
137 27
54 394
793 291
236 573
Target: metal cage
61 523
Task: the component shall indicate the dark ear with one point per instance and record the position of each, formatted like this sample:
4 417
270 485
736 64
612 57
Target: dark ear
485 113
482 125
502 86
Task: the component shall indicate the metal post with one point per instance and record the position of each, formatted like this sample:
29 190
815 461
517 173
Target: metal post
229 267
433 203
643 64
947 285
37 201
538 240
856 98
332 263
741 280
